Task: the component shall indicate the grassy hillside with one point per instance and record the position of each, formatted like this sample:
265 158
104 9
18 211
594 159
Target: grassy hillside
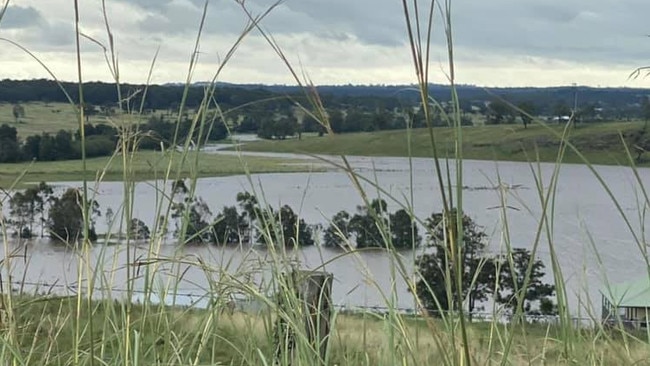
51 117
601 143
43 117
145 165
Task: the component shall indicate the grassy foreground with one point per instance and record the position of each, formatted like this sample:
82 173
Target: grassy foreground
601 143
45 330
147 165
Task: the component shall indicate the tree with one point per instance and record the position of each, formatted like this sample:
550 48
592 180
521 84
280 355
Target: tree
46 148
44 201
18 111
514 266
248 203
229 226
285 228
278 129
63 145
285 126
138 230
588 112
439 270
336 120
528 110
198 228
31 147
191 215
66 218
359 120
26 206
21 214
338 233
89 110
404 230
366 224
9 147
266 128
109 216
311 124
499 112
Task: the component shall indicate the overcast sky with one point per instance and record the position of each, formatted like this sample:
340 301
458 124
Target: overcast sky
497 43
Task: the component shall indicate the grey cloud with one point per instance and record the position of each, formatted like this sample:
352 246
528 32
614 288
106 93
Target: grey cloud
177 18
377 22
595 31
553 13
333 19
158 5
31 29
18 17
57 34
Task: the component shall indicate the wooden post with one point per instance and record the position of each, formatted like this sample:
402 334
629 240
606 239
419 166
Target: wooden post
313 292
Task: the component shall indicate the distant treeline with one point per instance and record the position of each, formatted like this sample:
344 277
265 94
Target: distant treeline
163 97
100 140
369 97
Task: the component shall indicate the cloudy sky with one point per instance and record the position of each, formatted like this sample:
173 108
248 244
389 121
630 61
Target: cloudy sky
496 43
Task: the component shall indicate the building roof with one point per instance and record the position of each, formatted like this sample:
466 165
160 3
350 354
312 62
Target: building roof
629 294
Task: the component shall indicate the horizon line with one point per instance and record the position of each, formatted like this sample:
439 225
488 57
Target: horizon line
377 85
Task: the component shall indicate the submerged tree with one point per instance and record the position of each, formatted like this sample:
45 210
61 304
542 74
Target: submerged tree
285 228
66 218
22 217
44 202
437 287
229 227
138 230
27 207
536 297
369 223
251 210
338 233
191 214
404 230
194 215
373 226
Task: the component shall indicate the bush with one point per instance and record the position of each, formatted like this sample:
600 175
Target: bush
96 145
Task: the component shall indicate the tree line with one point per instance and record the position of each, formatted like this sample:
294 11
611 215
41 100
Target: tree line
484 276
101 140
370 97
164 97
60 217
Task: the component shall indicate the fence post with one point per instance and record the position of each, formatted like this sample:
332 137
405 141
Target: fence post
313 291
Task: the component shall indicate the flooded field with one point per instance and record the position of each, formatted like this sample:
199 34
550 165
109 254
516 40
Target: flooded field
585 221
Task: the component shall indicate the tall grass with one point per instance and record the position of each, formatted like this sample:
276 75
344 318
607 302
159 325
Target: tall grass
100 323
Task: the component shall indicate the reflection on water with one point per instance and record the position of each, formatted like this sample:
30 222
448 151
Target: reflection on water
582 213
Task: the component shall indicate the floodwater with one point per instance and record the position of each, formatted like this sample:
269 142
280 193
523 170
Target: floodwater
593 243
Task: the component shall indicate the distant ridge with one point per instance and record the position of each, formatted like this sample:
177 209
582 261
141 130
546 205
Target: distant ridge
101 93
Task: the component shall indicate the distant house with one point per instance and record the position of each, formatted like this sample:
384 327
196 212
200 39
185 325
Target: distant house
561 118
627 302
